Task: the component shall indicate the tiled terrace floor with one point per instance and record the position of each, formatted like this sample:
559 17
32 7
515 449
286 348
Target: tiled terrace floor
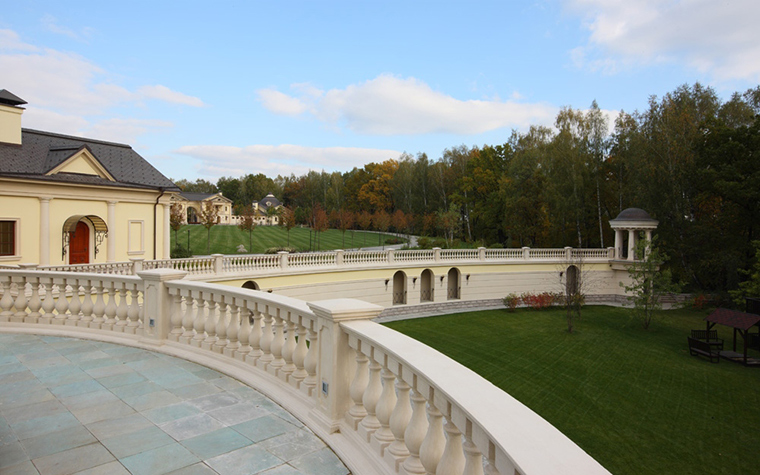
78 406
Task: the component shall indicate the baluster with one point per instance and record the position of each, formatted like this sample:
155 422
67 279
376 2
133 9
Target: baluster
299 356
288 350
452 460
400 418
244 334
99 309
6 303
133 313
20 302
254 338
374 388
432 447
176 318
210 326
221 327
34 303
310 365
266 341
75 305
122 311
277 344
87 304
48 305
199 323
383 410
187 319
358 386
62 303
110 307
233 330
490 468
473 459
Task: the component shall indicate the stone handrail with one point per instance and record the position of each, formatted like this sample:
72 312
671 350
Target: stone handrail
362 387
219 264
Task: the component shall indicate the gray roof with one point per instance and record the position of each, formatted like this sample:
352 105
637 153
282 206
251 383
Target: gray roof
195 196
40 152
274 202
633 214
8 98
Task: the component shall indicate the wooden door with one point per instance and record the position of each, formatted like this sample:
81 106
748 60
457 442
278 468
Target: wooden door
79 245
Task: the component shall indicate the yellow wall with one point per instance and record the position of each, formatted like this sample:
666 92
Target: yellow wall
27 211
10 124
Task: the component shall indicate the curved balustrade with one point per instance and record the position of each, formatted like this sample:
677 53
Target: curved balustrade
251 263
115 268
504 254
385 403
191 265
547 254
311 259
365 257
415 255
457 254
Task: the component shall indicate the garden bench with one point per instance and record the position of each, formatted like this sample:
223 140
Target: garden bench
708 336
699 347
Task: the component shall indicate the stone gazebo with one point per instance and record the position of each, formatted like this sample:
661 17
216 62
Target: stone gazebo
635 221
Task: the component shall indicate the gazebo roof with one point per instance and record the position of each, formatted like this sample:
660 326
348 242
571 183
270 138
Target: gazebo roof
633 218
732 318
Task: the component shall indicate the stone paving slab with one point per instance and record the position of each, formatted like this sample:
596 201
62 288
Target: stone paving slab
70 406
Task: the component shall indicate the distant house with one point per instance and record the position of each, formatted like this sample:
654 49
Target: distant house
73 200
265 211
192 205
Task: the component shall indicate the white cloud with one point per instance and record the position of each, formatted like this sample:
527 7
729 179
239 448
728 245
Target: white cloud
718 38
388 105
124 130
51 24
62 84
163 93
273 160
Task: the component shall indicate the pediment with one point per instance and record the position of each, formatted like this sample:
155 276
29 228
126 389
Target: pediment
80 161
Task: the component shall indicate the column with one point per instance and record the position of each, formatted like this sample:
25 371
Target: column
111 247
649 243
618 244
44 230
167 231
631 244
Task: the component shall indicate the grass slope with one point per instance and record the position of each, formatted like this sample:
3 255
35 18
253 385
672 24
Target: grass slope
633 399
226 239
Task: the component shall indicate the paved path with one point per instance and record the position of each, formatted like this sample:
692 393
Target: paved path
79 406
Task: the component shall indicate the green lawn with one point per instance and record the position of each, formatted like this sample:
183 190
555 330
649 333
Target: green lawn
633 399
226 239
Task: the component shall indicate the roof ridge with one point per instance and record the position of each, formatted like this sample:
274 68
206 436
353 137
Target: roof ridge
74 137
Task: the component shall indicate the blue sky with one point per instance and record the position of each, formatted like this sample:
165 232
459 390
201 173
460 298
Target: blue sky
204 90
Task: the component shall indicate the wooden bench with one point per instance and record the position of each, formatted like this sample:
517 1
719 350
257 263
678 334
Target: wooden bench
699 347
708 336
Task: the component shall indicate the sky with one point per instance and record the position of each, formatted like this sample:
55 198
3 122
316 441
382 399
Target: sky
205 90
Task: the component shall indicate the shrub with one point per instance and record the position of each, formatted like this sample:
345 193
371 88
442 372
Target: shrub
275 250
424 242
538 301
496 245
180 252
394 240
511 301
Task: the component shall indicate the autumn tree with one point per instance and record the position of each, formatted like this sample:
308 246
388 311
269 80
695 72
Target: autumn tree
381 221
176 218
209 218
364 220
320 222
247 223
345 222
287 219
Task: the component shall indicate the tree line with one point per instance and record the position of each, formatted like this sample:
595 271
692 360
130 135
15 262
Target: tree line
689 159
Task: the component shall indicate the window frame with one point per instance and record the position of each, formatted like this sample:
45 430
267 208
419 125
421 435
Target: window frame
15 255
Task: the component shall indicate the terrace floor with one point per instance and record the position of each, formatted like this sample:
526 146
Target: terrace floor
80 406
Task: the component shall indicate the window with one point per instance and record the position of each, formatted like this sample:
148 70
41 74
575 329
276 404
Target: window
7 238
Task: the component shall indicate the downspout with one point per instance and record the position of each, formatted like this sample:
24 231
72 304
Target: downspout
155 220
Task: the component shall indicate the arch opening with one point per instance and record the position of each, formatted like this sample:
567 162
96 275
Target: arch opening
251 285
426 286
454 288
399 288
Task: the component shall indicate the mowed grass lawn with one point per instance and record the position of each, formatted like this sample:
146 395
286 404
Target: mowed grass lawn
225 239
633 399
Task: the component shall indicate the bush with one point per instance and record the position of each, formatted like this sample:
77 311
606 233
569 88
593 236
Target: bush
496 245
424 242
539 301
394 240
275 250
180 252
511 301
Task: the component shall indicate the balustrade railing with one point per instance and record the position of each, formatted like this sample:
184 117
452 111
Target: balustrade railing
251 263
365 388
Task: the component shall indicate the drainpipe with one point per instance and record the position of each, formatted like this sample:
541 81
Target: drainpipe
155 219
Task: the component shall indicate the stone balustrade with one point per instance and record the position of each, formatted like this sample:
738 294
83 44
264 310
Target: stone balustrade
218 264
385 403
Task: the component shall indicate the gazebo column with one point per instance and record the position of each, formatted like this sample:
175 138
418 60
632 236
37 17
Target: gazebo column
618 244
45 231
111 244
167 231
649 243
631 244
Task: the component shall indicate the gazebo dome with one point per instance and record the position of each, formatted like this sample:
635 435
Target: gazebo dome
633 214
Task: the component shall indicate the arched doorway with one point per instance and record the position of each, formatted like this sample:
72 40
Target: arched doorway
572 286
453 291
192 215
79 245
399 288
426 286
251 285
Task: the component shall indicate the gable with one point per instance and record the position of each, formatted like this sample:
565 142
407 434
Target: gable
82 162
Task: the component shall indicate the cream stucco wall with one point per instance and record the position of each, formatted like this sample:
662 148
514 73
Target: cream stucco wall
10 124
20 200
